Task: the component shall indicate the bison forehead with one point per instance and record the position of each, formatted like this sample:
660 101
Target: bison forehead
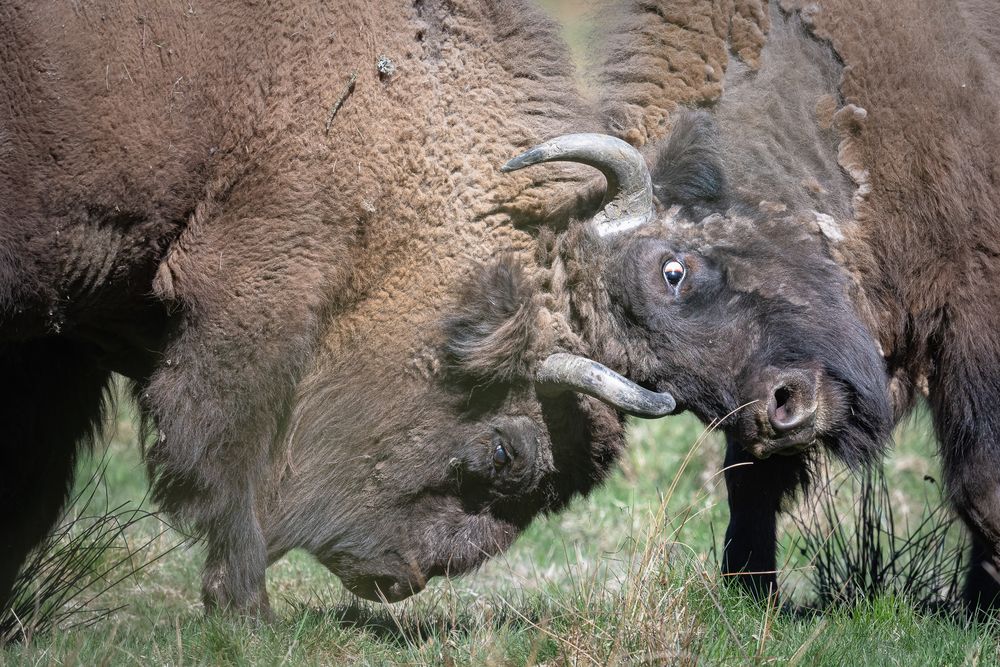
776 257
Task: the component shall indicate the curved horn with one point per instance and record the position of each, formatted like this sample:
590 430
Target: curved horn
571 372
628 202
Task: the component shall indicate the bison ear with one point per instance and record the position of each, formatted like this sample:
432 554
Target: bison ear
491 336
688 167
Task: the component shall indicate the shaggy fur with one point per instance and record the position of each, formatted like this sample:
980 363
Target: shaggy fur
661 55
688 168
930 221
494 335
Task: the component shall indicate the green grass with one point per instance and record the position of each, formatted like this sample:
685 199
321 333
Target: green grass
627 575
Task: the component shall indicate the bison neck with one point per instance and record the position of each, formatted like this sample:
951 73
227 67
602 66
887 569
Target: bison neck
777 128
786 131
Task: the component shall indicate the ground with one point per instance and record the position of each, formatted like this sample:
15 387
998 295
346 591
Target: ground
628 574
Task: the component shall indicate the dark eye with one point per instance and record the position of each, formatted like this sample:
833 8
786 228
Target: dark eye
673 272
500 456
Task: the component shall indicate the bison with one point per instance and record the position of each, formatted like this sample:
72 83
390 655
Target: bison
825 245
273 219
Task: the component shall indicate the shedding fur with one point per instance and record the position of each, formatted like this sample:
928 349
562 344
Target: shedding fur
319 324
662 55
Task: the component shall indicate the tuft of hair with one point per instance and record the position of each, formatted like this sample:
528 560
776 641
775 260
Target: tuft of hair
491 336
688 167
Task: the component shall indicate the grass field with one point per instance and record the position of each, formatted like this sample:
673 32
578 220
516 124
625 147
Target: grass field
627 575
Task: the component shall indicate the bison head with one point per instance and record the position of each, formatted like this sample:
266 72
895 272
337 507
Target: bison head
741 315
464 454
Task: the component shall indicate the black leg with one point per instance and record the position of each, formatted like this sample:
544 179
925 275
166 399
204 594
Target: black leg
756 490
982 584
965 393
51 401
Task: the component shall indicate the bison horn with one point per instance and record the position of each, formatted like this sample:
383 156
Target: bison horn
563 372
628 202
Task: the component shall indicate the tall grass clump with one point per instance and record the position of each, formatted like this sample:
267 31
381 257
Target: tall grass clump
88 553
859 555
646 603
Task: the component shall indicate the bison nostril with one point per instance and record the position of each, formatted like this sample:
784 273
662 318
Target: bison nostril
783 410
788 408
781 396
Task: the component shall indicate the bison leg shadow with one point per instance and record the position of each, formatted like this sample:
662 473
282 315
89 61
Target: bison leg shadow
757 490
52 402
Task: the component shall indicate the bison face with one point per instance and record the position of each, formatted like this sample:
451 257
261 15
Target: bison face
743 317
747 322
457 465
436 503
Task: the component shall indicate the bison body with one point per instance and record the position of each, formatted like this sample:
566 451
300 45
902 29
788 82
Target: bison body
269 230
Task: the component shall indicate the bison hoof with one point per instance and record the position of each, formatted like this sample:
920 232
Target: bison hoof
219 597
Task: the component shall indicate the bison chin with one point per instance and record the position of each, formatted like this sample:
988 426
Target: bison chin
841 402
455 544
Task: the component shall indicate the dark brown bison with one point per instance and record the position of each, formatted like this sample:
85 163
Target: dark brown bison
825 245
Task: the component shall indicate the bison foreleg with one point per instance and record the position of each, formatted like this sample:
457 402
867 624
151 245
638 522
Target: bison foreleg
756 490
248 295
233 578
965 393
219 414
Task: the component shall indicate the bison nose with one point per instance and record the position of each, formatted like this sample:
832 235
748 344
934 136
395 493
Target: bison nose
791 402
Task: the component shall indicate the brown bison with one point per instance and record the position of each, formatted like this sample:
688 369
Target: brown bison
270 218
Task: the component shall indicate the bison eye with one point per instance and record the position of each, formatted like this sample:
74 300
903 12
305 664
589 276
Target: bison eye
673 272
500 456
